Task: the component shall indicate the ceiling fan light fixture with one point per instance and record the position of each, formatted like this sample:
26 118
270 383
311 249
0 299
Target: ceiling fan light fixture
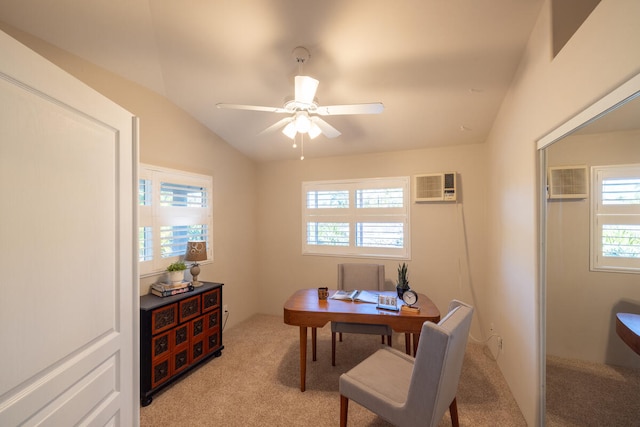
314 131
290 129
302 122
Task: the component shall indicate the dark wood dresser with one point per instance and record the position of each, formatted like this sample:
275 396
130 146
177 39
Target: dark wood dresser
178 333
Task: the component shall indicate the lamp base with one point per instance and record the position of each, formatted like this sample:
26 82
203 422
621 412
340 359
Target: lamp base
195 271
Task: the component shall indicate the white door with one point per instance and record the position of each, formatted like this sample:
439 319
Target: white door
68 272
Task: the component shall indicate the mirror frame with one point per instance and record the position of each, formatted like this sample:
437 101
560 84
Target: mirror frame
619 96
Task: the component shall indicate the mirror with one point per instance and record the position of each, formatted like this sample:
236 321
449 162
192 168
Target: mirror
583 356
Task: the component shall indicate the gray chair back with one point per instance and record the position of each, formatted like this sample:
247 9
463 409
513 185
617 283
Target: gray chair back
438 365
352 276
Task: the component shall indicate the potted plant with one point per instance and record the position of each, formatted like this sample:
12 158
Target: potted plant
403 279
176 271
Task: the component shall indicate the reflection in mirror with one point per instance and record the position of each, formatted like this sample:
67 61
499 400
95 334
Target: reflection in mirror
592 376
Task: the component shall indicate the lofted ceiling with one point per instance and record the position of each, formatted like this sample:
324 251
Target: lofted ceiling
440 67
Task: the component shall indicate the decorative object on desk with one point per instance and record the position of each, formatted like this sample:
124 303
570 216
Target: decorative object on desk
409 297
166 290
410 309
196 251
388 302
323 293
403 279
176 271
356 296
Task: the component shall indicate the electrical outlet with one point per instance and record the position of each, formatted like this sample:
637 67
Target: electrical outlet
225 308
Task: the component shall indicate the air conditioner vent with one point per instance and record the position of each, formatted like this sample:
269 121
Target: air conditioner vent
434 187
568 182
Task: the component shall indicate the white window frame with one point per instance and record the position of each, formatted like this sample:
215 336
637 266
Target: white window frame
606 214
155 216
353 215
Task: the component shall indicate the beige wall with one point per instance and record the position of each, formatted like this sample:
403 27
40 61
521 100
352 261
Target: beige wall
171 138
581 304
545 92
442 234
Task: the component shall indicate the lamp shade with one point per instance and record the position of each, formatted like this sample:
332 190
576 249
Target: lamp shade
196 251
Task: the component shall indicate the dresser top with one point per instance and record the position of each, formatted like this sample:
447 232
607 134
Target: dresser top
150 301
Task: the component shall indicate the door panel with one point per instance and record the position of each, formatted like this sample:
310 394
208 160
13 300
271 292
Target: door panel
68 310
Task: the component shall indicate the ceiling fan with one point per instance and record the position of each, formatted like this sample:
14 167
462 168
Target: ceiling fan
303 110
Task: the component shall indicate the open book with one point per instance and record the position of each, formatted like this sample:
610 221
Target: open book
360 296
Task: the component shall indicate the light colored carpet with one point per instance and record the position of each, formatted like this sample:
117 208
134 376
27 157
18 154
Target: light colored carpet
256 383
583 394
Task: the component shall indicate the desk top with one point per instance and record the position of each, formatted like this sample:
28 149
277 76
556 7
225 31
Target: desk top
304 308
628 328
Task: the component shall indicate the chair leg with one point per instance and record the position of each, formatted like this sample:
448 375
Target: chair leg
333 349
453 411
382 336
340 336
388 340
344 408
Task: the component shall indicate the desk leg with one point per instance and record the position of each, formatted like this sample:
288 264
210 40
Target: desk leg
314 335
303 356
416 338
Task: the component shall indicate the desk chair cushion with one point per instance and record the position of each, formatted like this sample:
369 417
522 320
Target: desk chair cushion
373 380
414 392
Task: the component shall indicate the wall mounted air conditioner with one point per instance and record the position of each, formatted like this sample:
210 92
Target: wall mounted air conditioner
567 182
434 187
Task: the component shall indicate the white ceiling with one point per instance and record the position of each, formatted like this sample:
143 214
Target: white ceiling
441 67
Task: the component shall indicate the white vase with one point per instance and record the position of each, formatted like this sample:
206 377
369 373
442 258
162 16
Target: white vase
176 276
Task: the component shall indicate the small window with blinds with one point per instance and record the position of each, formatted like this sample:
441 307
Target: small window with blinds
615 219
360 218
174 208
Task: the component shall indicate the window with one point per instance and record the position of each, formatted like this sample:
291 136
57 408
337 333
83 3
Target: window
364 218
615 218
174 208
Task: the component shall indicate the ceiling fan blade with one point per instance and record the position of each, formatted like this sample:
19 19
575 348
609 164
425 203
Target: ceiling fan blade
277 125
339 110
305 89
252 108
327 130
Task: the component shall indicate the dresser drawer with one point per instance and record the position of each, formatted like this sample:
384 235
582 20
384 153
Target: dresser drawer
161 345
164 318
197 329
212 319
211 300
189 308
160 371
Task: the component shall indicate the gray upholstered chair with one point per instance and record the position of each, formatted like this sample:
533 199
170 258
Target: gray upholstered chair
413 392
352 276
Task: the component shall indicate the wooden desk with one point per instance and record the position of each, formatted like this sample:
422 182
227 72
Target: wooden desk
628 328
305 310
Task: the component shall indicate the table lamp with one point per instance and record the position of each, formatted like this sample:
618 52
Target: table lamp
196 251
